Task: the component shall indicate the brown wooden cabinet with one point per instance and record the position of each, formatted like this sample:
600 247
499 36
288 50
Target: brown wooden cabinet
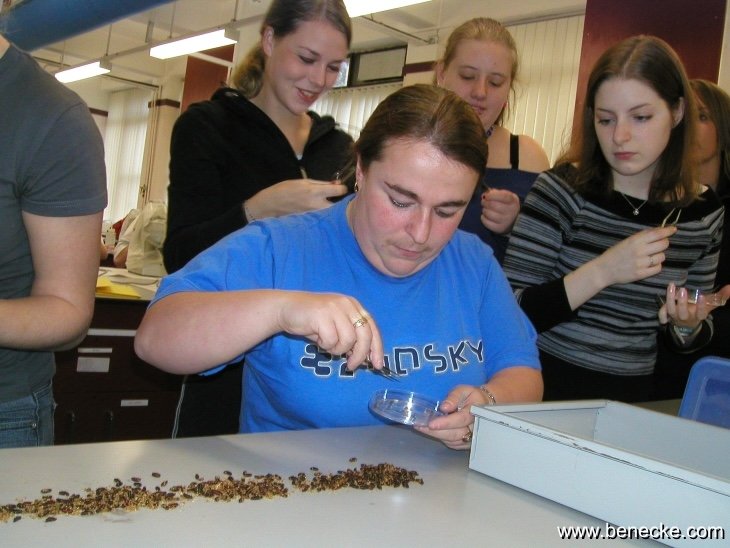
103 391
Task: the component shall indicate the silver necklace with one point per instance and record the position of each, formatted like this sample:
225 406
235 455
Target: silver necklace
635 208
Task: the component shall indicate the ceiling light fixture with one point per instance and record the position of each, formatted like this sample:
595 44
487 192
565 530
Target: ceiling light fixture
192 44
357 8
87 70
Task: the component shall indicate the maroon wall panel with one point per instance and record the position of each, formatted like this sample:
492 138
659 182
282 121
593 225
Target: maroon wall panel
694 28
202 77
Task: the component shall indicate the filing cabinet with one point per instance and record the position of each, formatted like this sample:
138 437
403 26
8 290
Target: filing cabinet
104 391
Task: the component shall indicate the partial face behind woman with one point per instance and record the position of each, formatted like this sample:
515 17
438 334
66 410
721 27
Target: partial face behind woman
706 144
303 64
420 156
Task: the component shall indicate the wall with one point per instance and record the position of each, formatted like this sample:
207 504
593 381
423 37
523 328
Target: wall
697 29
549 53
203 77
694 29
724 77
155 169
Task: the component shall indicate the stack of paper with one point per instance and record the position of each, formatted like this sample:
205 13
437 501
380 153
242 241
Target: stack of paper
105 287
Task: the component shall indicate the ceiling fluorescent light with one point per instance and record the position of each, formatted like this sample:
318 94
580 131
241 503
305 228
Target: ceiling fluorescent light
357 8
201 42
84 71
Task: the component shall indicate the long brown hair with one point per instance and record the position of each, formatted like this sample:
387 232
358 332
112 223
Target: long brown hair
284 17
652 61
717 102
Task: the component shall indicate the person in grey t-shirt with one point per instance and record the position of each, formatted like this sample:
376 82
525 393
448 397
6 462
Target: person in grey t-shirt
52 195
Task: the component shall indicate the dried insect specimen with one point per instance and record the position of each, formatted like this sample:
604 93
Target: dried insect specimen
229 488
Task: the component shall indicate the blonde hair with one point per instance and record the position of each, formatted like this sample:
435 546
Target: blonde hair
483 29
284 17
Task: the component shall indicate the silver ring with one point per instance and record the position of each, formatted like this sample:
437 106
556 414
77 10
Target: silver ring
651 260
359 322
467 437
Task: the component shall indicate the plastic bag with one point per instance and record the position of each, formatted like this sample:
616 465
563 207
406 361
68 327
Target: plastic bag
144 255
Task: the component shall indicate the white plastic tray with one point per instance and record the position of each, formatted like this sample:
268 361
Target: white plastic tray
626 465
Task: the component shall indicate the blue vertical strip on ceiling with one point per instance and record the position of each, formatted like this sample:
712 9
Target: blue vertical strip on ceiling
33 24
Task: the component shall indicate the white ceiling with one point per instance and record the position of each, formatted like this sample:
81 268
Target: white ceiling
127 41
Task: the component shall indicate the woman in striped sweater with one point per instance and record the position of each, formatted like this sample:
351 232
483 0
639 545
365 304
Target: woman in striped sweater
619 227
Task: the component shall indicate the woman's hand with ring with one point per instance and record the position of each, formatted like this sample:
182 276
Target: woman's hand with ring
455 430
338 324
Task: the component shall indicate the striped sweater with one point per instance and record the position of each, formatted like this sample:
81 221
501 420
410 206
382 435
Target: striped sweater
559 230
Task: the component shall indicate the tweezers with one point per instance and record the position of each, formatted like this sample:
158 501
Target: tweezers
385 371
667 222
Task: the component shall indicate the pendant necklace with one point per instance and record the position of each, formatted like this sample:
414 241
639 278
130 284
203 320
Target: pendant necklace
488 133
633 207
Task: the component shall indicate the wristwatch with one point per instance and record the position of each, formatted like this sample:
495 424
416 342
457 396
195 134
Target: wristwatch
685 335
686 331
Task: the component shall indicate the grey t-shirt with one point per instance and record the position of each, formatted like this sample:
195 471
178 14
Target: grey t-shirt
51 164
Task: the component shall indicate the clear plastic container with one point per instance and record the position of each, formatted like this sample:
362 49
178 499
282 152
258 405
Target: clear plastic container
404 407
713 299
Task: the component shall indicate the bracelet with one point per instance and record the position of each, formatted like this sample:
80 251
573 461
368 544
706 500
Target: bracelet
490 396
250 218
686 331
685 335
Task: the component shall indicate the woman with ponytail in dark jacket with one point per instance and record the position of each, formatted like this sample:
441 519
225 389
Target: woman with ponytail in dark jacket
255 150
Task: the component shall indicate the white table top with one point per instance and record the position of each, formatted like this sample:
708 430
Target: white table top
455 506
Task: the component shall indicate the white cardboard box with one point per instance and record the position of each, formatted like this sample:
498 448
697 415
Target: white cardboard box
623 464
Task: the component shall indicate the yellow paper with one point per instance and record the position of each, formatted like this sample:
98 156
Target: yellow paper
105 287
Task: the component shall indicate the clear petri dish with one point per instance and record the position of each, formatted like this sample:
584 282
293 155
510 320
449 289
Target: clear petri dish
404 407
713 299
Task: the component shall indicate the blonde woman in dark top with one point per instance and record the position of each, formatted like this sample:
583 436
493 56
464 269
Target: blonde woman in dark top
255 150
480 64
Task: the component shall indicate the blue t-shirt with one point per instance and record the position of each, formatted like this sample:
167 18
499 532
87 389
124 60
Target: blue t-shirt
454 322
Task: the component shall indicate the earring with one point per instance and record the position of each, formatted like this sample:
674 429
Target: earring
356 188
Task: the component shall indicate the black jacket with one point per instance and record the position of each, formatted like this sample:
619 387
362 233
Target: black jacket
225 150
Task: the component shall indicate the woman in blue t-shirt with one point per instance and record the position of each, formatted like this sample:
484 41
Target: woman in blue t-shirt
380 280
